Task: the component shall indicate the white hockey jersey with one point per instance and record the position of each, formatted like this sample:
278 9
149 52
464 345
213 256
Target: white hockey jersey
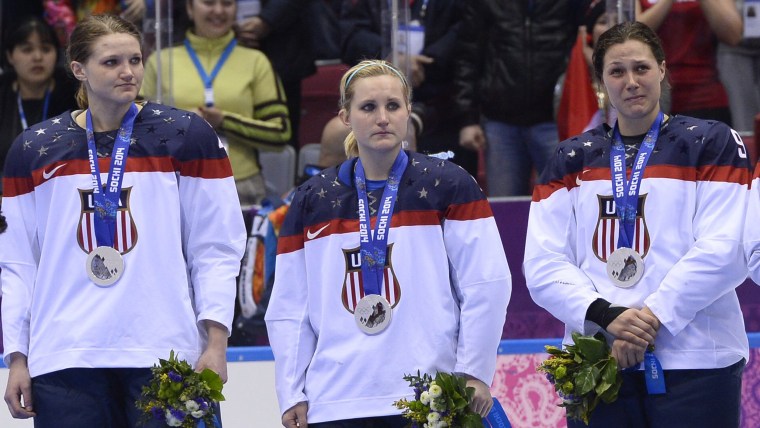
691 211
179 229
446 278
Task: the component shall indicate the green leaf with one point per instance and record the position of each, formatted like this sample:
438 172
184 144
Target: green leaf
471 420
591 348
585 380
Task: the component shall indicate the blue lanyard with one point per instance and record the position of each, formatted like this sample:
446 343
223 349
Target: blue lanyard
373 248
106 198
626 195
208 80
21 113
626 192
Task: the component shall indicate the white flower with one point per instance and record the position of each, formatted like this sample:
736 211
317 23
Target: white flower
437 406
435 390
171 420
191 405
198 414
425 397
441 424
433 417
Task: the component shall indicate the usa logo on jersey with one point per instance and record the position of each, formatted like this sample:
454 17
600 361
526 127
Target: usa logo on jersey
608 229
353 289
126 231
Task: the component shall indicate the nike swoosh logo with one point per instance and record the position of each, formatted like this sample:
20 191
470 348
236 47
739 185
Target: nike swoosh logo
47 174
312 235
578 179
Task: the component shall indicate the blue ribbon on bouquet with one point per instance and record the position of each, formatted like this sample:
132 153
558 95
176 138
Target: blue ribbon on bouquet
202 424
497 417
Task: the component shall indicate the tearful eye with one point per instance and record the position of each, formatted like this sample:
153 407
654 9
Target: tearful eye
615 72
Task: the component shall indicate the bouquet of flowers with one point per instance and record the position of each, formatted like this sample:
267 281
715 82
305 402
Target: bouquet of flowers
179 396
440 402
583 374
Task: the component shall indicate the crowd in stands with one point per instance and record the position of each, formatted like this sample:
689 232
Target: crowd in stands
488 75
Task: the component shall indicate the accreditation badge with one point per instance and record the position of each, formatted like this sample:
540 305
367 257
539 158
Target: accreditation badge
625 267
105 265
373 314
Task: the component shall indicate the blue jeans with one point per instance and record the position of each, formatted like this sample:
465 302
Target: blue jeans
513 152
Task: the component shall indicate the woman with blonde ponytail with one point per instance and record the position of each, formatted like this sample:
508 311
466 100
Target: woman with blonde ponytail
121 217
391 248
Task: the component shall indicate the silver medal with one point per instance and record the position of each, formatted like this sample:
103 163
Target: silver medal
105 266
625 267
373 314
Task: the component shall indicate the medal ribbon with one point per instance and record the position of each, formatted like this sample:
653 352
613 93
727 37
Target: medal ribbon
208 80
21 113
107 199
653 374
626 192
373 247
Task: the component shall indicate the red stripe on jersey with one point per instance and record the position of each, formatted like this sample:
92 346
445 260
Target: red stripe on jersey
469 211
416 218
206 168
152 164
728 174
404 218
17 186
543 191
89 234
682 173
289 244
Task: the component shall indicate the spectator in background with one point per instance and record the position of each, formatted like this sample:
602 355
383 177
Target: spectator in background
234 88
509 58
34 88
13 12
690 31
739 68
431 69
282 31
583 104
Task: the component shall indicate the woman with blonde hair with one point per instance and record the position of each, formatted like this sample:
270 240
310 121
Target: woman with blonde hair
348 302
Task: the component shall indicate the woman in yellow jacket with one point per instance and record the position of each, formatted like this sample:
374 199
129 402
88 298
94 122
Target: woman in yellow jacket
234 88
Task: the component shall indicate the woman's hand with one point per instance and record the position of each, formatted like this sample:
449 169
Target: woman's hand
481 400
627 354
471 137
214 357
213 116
295 417
639 327
18 393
